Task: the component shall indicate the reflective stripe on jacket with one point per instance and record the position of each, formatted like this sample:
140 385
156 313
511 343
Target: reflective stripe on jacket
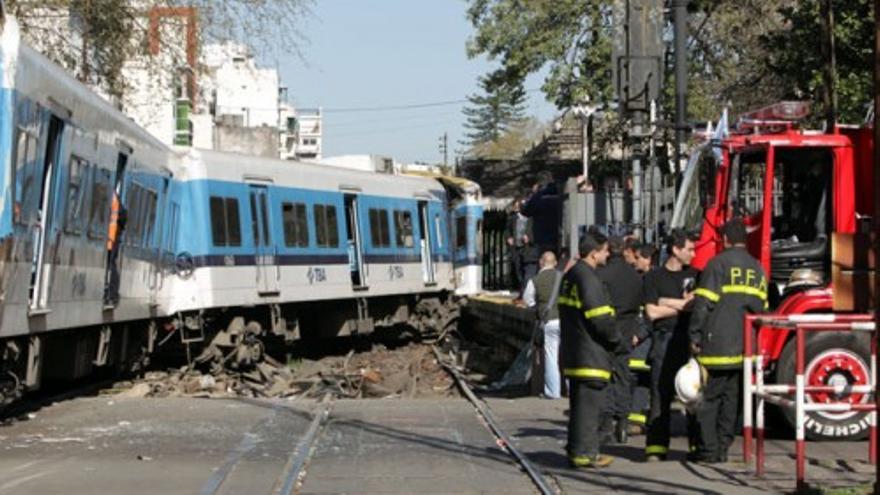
732 285
587 325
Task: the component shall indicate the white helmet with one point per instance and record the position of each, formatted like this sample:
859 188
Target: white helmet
689 383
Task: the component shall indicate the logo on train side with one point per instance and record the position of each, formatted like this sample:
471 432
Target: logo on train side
317 274
395 272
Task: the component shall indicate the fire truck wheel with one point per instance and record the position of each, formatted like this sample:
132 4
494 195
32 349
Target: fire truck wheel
836 359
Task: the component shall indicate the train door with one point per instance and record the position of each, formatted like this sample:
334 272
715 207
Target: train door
167 209
261 225
115 231
354 242
427 251
41 267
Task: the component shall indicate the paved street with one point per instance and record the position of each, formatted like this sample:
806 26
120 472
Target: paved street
114 445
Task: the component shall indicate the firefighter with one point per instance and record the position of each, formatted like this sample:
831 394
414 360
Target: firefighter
638 360
668 290
589 340
732 285
624 287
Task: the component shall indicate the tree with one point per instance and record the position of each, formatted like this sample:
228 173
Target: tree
571 37
96 38
495 111
795 56
512 142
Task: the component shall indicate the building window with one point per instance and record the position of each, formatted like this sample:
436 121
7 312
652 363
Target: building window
326 226
403 228
296 226
379 228
225 222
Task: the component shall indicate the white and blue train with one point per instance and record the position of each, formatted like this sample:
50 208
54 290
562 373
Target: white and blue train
210 238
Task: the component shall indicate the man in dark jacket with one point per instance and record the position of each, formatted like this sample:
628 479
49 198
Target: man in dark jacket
589 341
733 284
543 207
625 290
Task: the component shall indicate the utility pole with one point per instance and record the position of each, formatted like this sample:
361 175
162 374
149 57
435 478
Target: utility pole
876 230
829 93
679 16
444 148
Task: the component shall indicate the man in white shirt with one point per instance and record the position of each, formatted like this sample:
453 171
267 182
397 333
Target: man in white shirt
538 294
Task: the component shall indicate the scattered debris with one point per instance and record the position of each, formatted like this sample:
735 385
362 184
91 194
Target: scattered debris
144 458
405 371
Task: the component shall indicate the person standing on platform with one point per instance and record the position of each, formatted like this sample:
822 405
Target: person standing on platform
732 285
589 341
542 293
668 291
625 290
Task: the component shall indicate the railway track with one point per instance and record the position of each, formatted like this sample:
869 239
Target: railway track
494 427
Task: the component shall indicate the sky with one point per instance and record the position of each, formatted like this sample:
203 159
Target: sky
381 53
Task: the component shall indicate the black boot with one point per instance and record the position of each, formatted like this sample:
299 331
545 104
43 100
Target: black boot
620 430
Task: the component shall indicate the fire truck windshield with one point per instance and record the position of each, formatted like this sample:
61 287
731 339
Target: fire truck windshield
697 190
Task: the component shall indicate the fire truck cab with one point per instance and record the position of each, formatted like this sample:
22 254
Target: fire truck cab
806 197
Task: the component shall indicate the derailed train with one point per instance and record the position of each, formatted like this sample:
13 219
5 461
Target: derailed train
213 244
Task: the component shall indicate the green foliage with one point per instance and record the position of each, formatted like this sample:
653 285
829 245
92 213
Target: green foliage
494 112
796 55
570 37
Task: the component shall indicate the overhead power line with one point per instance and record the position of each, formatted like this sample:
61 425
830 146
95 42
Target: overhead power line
388 108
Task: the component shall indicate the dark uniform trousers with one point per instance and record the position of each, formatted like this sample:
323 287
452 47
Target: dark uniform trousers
732 285
585 400
640 383
668 354
717 412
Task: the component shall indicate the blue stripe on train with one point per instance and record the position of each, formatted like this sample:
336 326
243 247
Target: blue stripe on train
194 197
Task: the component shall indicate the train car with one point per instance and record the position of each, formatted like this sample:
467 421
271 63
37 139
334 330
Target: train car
209 243
265 232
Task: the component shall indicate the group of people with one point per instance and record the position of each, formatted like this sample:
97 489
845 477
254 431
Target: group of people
621 328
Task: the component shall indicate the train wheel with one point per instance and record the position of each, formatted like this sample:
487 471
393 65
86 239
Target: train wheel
836 359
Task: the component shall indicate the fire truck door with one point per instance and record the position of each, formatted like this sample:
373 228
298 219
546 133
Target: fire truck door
751 192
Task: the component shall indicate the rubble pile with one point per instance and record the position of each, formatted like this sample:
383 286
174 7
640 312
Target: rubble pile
407 371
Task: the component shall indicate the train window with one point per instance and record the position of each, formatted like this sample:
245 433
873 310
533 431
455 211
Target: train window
460 232
149 217
479 237
100 204
403 228
296 226
72 220
379 228
326 226
225 222
438 230
26 158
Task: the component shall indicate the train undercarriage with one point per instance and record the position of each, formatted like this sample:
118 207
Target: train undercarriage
234 338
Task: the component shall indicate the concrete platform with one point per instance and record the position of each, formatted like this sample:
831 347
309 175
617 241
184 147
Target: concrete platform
149 446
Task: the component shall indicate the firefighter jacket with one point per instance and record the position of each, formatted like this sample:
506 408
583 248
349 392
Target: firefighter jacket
624 288
589 336
732 285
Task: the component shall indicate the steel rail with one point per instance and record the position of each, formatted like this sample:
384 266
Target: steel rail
536 477
306 446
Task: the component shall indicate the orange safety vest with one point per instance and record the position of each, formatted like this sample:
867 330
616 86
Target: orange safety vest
113 230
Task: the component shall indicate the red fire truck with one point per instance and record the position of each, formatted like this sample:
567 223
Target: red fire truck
807 199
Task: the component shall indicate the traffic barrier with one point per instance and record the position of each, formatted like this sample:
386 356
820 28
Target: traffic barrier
754 388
